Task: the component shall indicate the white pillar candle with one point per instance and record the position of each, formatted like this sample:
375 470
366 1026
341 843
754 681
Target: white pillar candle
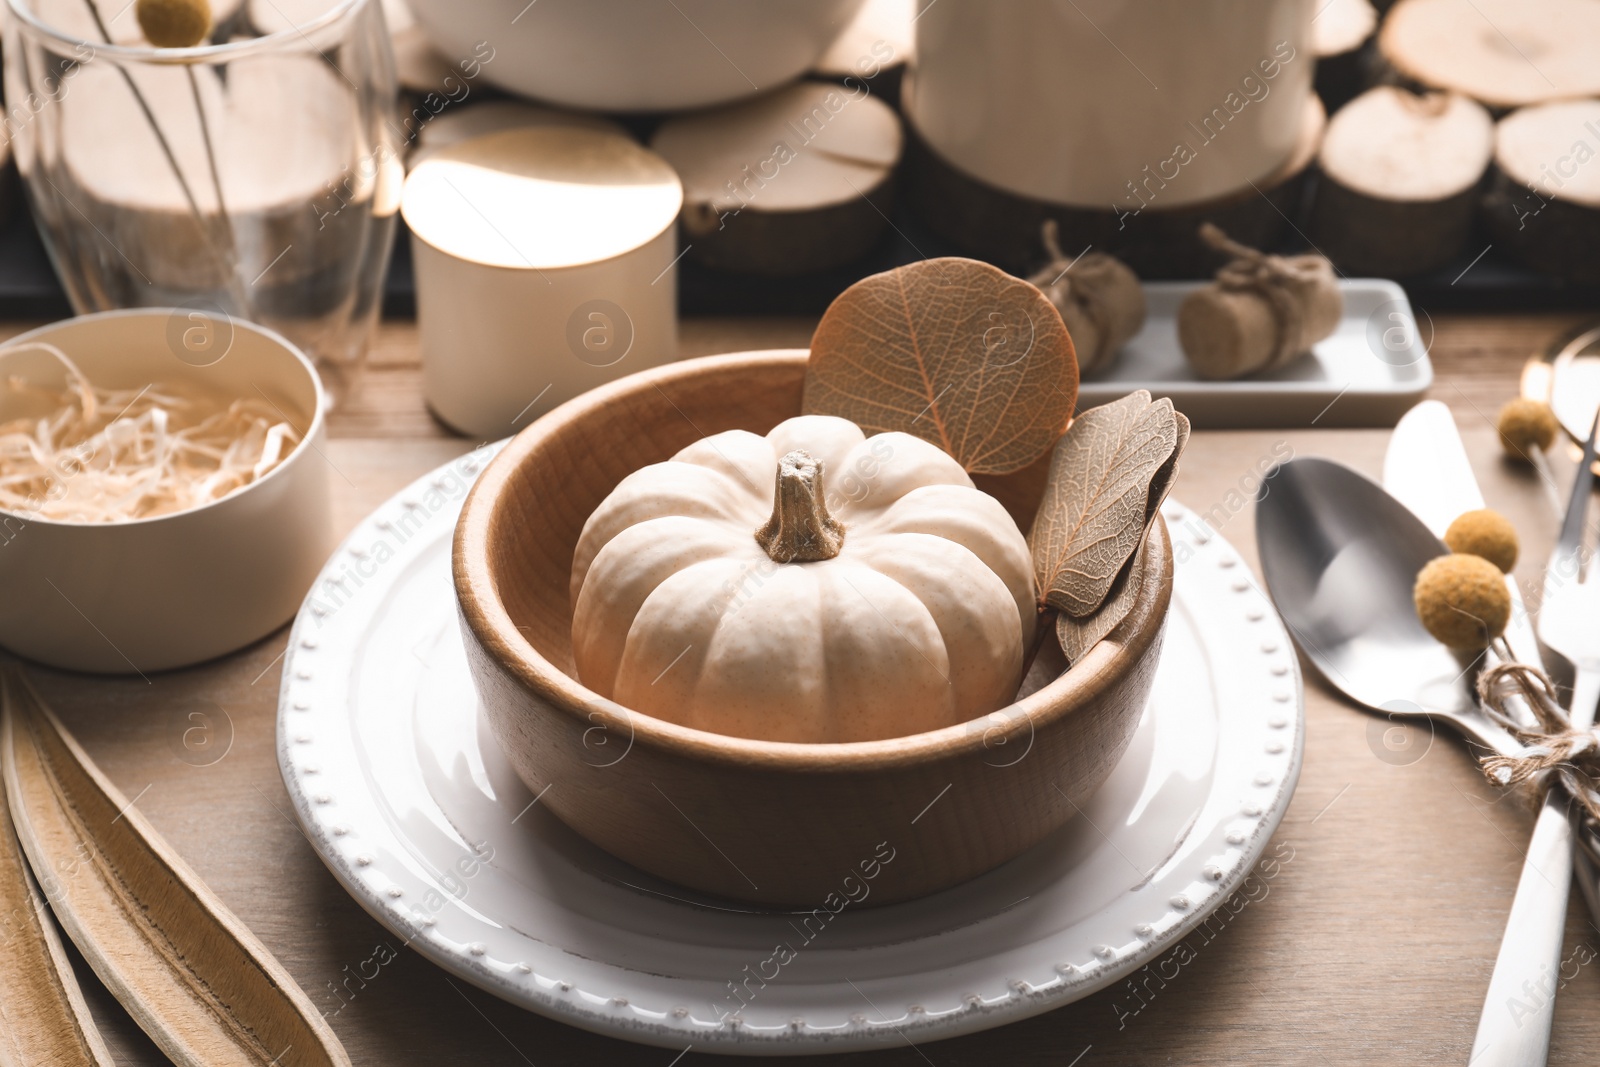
545 266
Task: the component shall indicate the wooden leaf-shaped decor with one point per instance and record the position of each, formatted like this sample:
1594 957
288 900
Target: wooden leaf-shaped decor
44 1021
1107 477
954 351
187 970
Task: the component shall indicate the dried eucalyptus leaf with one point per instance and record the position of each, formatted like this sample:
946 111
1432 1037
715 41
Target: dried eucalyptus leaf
1097 502
1078 636
955 351
1161 484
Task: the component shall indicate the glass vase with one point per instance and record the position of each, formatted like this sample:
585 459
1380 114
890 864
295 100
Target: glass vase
255 174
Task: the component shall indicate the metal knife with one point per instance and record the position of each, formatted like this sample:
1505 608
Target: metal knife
1426 469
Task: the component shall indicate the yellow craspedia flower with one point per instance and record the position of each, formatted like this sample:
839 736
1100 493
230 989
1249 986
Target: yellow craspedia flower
1485 533
174 23
1463 601
1526 426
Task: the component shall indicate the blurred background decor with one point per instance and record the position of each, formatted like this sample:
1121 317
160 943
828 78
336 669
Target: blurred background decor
989 151
1023 113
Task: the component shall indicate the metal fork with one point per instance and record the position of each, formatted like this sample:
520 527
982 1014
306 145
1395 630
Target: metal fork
1514 1029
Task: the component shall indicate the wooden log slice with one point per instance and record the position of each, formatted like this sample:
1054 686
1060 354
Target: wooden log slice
1401 175
1003 227
1341 36
1543 204
874 48
796 181
1502 53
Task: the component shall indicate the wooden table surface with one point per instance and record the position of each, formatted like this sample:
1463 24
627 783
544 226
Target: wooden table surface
1372 943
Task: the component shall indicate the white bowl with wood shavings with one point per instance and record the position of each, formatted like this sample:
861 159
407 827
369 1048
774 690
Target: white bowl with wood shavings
163 489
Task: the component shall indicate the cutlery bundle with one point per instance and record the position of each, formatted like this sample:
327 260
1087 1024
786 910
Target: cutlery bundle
1340 555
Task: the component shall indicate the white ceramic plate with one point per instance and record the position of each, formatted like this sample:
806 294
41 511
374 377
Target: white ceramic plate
406 797
1371 371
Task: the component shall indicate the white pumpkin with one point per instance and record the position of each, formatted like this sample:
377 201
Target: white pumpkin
882 595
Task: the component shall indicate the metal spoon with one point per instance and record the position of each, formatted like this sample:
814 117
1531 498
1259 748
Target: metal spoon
1339 556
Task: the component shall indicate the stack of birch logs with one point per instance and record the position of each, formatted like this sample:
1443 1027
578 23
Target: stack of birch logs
1486 113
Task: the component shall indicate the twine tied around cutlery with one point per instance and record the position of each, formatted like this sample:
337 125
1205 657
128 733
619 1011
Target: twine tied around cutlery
1553 745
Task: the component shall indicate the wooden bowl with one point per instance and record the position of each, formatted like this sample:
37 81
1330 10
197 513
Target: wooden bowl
768 822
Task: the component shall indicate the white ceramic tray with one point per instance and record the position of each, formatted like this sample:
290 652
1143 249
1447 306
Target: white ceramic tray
1369 373
403 792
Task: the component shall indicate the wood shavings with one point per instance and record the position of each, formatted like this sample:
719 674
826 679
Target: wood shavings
105 455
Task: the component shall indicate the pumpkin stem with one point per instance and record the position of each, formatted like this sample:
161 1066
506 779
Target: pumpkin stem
800 530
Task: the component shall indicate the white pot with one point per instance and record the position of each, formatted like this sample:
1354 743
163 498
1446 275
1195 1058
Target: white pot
1113 104
637 55
152 594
